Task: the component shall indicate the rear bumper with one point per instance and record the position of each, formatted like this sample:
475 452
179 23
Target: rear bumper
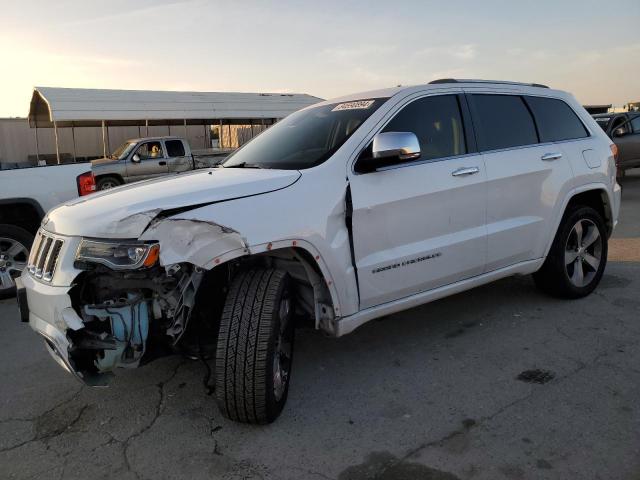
50 314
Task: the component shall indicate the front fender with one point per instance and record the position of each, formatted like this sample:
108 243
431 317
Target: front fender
208 245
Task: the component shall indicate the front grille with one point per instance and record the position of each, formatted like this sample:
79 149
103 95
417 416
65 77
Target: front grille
44 256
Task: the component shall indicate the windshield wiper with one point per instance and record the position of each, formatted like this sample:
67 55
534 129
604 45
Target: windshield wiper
244 165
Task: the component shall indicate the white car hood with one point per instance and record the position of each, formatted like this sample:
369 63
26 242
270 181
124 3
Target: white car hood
126 211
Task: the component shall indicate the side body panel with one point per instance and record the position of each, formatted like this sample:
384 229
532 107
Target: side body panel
181 163
418 228
523 193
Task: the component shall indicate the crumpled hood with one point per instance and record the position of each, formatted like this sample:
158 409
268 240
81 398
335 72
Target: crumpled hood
125 212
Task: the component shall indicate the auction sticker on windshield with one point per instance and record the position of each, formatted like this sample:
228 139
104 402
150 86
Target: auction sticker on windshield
359 105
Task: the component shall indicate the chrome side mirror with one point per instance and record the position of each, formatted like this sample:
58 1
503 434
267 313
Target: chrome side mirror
390 148
135 158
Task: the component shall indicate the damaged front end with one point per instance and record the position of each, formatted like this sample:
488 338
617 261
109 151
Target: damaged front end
129 317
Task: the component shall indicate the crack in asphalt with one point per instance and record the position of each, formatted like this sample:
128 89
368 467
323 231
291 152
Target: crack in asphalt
53 434
46 412
309 471
126 443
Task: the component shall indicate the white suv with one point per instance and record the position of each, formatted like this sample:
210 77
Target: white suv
345 211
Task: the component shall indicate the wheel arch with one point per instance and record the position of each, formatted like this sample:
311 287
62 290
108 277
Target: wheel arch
25 213
305 265
596 196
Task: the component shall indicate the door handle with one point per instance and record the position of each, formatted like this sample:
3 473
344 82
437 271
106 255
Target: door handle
162 163
465 171
551 156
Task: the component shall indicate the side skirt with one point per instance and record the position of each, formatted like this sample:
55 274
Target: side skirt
349 324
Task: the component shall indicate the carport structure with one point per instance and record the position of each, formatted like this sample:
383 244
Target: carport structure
69 108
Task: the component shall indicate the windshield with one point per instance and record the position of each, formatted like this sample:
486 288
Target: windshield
305 138
122 151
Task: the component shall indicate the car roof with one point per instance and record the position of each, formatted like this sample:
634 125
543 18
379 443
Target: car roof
515 87
162 137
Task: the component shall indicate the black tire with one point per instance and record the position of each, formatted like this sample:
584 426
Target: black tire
24 238
556 276
107 183
256 331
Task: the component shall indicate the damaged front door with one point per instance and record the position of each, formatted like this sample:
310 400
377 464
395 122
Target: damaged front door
421 224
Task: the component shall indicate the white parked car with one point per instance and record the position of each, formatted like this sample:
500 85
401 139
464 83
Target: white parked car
345 211
26 194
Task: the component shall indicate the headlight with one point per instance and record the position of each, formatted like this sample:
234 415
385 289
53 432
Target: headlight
118 255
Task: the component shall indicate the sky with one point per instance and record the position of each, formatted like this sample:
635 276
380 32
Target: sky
324 48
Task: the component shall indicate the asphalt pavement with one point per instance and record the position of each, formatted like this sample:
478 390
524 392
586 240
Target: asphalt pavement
501 382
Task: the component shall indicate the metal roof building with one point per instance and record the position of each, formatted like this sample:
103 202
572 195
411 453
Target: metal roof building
74 107
67 106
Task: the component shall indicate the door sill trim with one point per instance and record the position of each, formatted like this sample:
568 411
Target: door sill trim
350 323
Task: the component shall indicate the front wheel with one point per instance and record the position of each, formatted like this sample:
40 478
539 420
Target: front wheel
255 346
578 255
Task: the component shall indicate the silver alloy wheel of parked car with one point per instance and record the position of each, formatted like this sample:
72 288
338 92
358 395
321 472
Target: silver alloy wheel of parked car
13 259
583 252
108 184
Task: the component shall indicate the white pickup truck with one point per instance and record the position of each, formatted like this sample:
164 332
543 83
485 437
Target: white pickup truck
343 212
26 194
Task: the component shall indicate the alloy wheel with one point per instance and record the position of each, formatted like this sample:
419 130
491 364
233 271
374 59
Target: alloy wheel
583 253
13 259
107 185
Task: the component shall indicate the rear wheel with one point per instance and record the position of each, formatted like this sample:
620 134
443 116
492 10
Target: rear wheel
107 183
578 256
255 346
15 243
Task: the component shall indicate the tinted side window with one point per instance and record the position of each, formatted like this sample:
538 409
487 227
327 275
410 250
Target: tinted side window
437 123
502 121
555 119
635 123
174 148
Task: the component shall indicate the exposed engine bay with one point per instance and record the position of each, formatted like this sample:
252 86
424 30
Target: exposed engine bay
130 318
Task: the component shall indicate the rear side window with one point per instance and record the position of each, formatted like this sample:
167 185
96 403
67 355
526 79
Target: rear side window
502 121
555 119
437 123
174 148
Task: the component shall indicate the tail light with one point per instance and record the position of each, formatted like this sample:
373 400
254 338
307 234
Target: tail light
86 183
614 151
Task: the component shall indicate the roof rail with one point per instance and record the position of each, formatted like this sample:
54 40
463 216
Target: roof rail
454 80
